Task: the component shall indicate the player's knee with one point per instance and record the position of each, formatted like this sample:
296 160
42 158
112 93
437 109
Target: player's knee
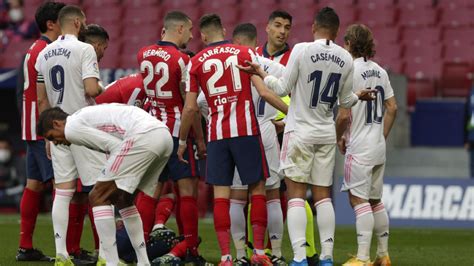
186 187
273 194
257 188
34 185
354 200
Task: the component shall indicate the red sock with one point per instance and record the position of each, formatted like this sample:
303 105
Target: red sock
94 230
72 227
146 208
80 226
284 204
180 249
222 224
177 212
189 216
163 210
258 219
29 209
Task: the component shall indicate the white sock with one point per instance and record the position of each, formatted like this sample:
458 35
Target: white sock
226 257
275 225
381 228
326 220
237 226
104 220
60 215
364 228
157 226
296 217
133 224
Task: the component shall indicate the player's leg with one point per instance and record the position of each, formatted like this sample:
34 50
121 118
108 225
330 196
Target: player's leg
381 220
311 252
146 206
165 206
249 156
39 171
65 173
321 181
238 201
77 212
219 172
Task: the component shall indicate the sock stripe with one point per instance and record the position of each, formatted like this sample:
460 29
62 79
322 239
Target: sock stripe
65 192
295 203
240 202
322 201
128 212
379 207
100 212
273 201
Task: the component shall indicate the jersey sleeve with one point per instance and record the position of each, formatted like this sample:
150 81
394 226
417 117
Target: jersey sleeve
202 104
346 97
39 78
79 134
388 87
183 63
271 67
109 95
90 66
283 85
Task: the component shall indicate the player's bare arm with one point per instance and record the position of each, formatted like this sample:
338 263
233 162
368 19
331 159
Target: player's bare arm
92 87
253 68
190 111
342 123
43 102
269 95
390 115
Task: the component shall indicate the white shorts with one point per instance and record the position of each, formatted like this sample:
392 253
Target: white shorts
138 162
307 163
273 160
72 162
364 181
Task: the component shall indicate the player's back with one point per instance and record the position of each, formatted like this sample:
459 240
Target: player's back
163 69
127 90
30 107
63 65
322 70
227 90
366 142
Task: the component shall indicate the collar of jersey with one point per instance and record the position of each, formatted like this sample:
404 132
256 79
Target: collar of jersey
165 43
67 36
45 38
323 41
360 59
267 55
218 43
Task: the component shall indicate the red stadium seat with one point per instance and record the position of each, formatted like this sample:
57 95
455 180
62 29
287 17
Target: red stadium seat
375 5
179 5
389 57
422 67
212 4
102 16
336 4
456 80
100 3
129 60
223 11
458 36
457 17
417 17
144 31
378 17
456 52
347 16
424 51
253 4
421 36
415 5
454 4
72 2
113 29
14 53
419 89
385 35
139 3
143 15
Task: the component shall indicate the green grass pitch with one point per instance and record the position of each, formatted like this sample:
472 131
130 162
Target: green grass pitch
407 246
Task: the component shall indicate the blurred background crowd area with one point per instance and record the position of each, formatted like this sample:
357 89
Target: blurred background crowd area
426 45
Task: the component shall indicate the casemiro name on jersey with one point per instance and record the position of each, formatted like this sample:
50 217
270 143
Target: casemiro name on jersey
57 52
328 57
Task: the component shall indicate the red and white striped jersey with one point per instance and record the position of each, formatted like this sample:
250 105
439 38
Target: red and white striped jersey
226 88
279 57
127 90
30 108
163 68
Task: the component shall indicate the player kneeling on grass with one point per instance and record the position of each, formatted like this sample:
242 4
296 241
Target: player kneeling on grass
364 147
134 162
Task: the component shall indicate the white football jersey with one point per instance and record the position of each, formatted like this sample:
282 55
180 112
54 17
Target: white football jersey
102 127
365 140
63 65
317 75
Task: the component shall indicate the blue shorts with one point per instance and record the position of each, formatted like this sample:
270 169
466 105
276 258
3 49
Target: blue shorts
245 153
176 170
38 166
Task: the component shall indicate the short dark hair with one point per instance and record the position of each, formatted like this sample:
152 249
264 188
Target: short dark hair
175 16
210 20
69 10
94 31
280 14
47 11
45 121
246 29
360 40
328 19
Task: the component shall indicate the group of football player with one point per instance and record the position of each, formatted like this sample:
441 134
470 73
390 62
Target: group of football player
132 149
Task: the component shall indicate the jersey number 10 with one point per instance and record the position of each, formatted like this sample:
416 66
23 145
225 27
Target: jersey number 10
375 110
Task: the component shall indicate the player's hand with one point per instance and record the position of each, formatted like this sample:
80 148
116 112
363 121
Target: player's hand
341 144
367 94
201 149
47 146
252 68
181 151
279 126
